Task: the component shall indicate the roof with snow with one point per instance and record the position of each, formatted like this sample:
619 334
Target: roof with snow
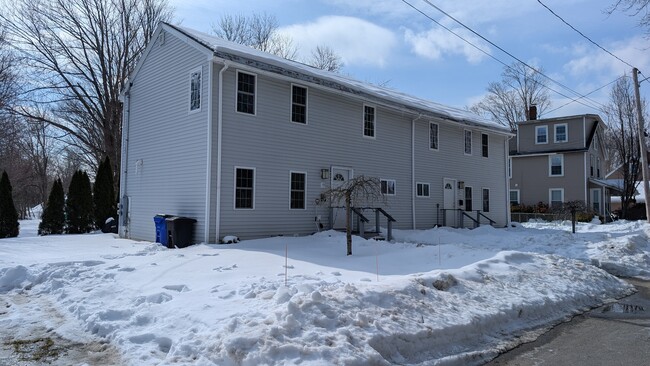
237 53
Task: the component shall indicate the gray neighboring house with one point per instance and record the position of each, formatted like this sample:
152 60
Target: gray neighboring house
245 142
557 160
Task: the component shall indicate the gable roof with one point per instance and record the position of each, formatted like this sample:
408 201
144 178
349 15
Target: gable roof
236 53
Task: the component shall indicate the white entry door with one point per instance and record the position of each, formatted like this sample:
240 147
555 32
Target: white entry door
338 177
450 201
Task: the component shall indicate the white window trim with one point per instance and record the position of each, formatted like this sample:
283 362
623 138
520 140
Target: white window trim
305 198
537 128
291 104
566 134
254 96
198 69
550 195
489 198
363 121
518 196
471 142
394 186
488 145
423 184
550 165
234 186
437 137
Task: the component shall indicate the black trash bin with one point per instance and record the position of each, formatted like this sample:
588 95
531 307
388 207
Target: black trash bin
179 231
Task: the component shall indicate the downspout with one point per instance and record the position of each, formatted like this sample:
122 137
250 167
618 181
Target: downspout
413 188
126 115
507 185
219 149
586 176
208 170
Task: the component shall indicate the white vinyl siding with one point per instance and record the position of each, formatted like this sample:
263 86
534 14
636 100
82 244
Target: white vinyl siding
541 134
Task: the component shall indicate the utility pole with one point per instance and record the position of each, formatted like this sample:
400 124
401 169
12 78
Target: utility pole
642 147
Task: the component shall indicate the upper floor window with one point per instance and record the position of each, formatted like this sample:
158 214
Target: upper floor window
484 145
556 165
368 121
509 167
433 136
244 188
541 134
388 187
195 90
591 165
422 189
561 132
297 190
468 142
245 92
298 104
597 167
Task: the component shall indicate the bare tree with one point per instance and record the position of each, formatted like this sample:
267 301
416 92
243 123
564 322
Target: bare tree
509 100
635 8
622 138
324 58
357 191
77 57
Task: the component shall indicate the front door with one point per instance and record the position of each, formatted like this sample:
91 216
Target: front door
338 177
450 201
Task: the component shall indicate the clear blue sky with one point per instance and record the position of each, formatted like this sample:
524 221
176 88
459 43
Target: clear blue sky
387 41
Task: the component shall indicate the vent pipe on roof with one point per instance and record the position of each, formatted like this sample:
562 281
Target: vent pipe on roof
532 113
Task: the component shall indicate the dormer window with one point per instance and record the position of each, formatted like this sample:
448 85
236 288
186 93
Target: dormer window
561 133
541 135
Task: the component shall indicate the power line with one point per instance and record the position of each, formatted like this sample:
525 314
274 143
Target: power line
600 106
591 92
583 35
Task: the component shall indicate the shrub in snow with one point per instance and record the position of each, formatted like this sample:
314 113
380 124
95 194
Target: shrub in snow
53 219
8 214
79 205
445 282
104 204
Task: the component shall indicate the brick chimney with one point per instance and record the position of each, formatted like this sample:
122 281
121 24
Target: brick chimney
532 113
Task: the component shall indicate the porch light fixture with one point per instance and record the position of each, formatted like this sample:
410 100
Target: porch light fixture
324 173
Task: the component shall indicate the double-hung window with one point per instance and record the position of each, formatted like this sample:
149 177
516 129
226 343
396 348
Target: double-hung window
561 132
195 90
468 198
422 190
298 104
433 136
556 165
484 145
387 187
369 121
541 134
246 92
297 190
486 200
556 197
514 196
468 142
244 188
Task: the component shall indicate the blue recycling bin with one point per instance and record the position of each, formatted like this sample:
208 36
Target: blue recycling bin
161 228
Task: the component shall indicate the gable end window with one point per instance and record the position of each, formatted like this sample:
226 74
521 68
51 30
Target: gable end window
195 90
484 145
468 142
561 133
368 121
556 165
422 190
298 104
541 134
433 136
244 188
387 187
245 92
298 190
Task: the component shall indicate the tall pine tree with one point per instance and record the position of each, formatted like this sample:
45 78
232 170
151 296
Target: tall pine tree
104 194
8 214
53 219
79 205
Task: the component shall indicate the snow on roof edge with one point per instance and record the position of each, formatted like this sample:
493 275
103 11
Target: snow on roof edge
219 45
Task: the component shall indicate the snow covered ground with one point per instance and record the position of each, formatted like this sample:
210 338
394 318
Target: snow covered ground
439 296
